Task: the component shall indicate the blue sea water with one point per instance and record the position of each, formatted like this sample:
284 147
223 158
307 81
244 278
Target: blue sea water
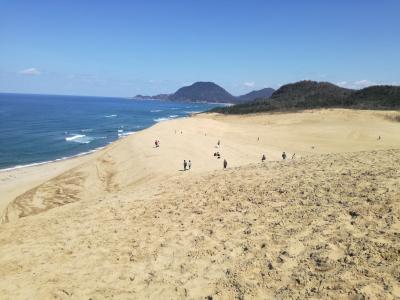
42 128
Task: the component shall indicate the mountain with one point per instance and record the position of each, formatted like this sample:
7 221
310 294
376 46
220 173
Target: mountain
379 96
207 92
202 92
311 94
260 94
155 97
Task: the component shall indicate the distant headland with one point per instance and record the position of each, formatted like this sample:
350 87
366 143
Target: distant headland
304 94
207 92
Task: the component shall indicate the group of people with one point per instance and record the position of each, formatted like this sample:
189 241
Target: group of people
187 165
264 158
216 154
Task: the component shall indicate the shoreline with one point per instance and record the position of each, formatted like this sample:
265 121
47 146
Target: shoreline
120 137
52 168
338 131
18 167
190 115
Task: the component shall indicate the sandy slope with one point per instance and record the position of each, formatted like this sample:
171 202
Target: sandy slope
133 161
135 226
15 182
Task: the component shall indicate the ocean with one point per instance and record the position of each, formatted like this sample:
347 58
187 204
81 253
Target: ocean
41 128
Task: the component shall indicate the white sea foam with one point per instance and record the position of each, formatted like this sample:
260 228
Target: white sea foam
123 134
74 137
170 117
80 138
192 112
161 119
120 130
111 116
155 110
87 130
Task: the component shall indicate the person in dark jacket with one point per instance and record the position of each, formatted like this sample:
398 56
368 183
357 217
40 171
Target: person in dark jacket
283 155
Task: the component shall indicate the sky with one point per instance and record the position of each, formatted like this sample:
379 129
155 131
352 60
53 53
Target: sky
124 48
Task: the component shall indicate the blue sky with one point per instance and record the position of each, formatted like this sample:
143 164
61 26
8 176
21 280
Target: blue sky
123 48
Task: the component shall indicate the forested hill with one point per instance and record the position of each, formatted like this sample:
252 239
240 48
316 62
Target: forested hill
311 94
263 93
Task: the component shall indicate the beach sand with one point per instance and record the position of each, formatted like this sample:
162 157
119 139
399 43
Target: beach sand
126 222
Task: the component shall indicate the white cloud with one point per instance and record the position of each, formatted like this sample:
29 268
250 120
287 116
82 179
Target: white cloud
30 71
364 83
358 84
249 84
342 83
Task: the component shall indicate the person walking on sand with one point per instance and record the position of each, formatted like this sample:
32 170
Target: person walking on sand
225 164
218 143
263 158
184 165
283 155
190 164
293 156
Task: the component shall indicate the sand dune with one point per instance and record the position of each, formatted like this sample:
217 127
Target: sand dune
133 161
127 223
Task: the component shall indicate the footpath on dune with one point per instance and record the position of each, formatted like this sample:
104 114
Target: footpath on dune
325 226
134 162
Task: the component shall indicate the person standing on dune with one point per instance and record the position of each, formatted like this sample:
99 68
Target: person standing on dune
184 165
263 158
283 155
225 164
190 164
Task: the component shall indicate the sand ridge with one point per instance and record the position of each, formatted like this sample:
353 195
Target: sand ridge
275 230
126 223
